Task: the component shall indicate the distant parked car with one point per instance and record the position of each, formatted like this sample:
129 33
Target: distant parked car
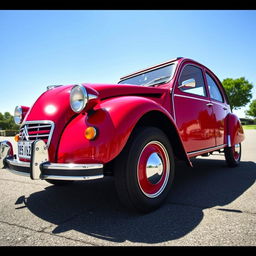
134 131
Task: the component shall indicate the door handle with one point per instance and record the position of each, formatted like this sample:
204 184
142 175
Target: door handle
209 104
225 108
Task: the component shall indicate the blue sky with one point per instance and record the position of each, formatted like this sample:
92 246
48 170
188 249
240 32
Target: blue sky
40 48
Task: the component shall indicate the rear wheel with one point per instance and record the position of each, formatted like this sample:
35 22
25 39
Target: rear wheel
144 170
233 155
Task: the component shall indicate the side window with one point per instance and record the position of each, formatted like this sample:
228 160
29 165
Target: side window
192 72
214 89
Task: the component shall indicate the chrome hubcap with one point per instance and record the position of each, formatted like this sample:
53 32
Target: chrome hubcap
154 168
237 151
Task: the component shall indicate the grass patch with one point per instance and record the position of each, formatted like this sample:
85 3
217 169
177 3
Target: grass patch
249 126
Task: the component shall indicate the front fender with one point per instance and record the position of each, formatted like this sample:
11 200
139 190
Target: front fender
114 119
235 133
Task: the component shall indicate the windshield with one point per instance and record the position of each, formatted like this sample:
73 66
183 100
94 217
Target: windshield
152 77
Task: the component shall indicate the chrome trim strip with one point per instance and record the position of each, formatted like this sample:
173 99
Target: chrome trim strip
18 163
229 141
57 166
190 97
38 121
39 135
54 177
172 62
151 68
60 166
39 126
173 105
207 149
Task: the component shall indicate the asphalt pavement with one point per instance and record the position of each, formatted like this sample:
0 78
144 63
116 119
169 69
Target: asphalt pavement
209 205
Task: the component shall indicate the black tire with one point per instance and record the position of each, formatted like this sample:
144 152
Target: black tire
233 155
132 168
60 182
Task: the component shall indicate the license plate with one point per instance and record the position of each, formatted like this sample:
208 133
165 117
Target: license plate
24 149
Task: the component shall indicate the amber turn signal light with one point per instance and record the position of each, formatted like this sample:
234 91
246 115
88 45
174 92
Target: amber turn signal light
90 133
16 137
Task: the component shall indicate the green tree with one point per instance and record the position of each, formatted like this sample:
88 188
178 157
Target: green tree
238 91
7 116
7 122
252 109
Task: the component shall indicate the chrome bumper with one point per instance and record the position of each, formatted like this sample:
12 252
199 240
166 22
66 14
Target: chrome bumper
40 168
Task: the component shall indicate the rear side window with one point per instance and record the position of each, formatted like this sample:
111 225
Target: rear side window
214 90
193 72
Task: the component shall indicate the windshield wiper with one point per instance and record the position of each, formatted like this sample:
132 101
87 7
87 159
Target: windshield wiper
153 82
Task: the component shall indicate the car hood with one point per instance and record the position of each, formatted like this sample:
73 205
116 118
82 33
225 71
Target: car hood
54 104
114 90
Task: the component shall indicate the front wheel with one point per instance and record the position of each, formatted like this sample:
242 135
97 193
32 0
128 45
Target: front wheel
233 155
144 171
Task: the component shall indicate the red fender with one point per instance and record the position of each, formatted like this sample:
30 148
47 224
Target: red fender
235 132
114 120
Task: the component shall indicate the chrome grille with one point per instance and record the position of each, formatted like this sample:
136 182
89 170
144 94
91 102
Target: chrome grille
37 130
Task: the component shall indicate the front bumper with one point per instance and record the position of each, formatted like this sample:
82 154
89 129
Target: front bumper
40 168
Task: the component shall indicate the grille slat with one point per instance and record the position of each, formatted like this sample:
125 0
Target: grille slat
39 132
36 127
33 130
38 136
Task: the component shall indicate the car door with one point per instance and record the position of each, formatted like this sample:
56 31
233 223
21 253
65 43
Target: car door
193 110
219 106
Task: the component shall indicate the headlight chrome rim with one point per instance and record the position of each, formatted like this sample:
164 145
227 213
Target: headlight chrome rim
17 115
78 98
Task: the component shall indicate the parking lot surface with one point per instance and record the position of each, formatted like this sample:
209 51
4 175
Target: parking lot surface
210 205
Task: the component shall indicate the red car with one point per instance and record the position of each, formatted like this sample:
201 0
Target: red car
134 131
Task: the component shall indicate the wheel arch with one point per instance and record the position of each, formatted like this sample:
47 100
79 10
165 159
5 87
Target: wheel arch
160 120
235 132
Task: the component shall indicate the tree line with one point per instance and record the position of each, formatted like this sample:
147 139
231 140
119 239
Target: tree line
239 92
7 122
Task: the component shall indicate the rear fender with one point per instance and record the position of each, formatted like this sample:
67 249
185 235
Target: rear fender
114 120
235 132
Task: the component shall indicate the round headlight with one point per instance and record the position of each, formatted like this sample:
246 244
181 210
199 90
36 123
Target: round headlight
78 98
18 115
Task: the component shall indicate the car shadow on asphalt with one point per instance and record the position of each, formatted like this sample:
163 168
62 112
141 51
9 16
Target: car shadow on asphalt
92 207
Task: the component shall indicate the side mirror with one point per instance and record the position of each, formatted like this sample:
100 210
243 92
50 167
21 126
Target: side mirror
189 83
